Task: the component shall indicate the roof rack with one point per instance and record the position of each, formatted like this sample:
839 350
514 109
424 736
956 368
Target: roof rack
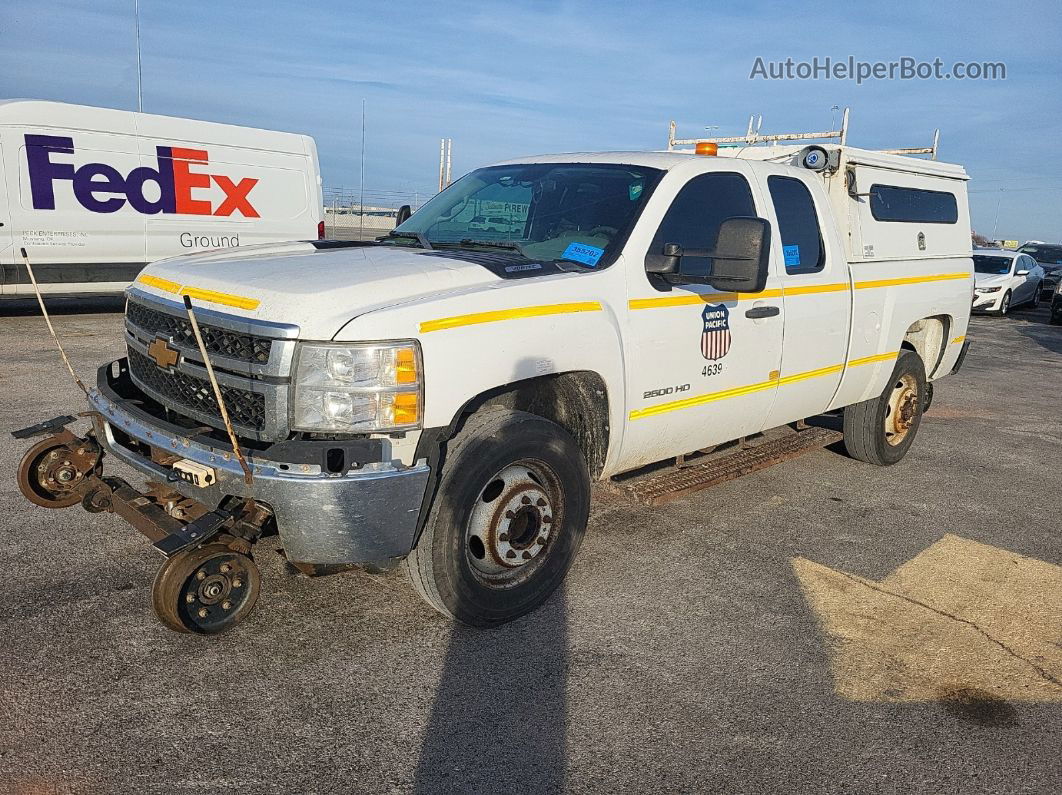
753 137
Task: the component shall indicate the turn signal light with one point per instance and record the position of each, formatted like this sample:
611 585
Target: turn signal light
405 366
406 408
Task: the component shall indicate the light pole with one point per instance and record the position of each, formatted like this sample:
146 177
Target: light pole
995 223
139 77
361 196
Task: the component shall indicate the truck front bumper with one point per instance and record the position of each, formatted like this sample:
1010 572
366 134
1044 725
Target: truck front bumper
368 515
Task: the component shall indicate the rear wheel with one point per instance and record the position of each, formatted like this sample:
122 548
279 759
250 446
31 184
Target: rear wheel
881 430
507 521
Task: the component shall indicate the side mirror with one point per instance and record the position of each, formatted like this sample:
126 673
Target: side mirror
1022 272
740 260
403 214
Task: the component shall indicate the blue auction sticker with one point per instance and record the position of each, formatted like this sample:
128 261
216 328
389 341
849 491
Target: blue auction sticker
583 253
791 255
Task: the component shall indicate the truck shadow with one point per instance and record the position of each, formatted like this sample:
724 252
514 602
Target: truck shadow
500 708
1046 336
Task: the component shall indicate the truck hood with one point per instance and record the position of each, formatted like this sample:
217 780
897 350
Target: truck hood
318 289
990 279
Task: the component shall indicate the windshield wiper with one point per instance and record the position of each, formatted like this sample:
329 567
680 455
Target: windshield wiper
506 244
418 236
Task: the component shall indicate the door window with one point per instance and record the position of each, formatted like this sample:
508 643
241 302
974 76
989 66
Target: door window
798 225
695 215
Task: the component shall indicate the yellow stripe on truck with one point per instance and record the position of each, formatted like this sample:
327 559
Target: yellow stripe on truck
724 394
880 357
508 314
810 289
936 277
225 299
159 284
691 299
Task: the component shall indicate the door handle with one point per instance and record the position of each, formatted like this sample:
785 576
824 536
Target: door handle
762 311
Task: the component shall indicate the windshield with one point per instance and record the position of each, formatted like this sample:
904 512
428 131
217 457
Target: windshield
994 265
1050 255
543 211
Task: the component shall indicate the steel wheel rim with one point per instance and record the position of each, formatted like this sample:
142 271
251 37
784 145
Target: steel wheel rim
46 476
902 409
206 590
513 524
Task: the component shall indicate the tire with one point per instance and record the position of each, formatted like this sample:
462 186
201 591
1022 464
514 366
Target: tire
871 433
1034 302
1056 318
1004 305
507 520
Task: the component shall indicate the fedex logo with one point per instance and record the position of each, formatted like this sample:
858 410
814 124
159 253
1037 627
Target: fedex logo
102 189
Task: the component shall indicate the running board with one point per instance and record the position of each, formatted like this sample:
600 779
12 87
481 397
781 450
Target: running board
660 486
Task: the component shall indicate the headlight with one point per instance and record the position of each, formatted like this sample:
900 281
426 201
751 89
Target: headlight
357 387
1058 288
982 290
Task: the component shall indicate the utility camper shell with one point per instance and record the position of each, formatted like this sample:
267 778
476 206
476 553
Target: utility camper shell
889 206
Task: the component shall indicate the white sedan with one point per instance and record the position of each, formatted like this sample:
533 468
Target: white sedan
1004 279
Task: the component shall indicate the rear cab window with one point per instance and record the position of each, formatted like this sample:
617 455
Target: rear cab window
798 225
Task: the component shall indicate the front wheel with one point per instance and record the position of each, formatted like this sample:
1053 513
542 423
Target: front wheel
1004 305
507 520
881 430
1035 302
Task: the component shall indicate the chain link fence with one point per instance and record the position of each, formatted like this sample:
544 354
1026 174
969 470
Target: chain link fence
347 218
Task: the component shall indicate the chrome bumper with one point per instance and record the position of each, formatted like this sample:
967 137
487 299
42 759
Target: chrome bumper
368 515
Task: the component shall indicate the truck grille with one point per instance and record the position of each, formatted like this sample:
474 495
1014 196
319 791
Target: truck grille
195 395
218 341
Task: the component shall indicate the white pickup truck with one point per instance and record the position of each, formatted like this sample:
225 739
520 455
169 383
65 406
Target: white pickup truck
445 398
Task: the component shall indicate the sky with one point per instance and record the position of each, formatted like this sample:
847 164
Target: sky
519 78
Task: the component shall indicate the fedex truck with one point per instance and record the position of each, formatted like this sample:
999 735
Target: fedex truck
96 194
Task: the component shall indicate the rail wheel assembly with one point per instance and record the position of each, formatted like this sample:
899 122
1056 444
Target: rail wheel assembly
206 590
51 472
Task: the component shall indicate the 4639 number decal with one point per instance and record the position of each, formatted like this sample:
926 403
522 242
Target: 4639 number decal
712 369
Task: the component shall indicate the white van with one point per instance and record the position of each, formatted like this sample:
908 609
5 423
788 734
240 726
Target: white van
95 194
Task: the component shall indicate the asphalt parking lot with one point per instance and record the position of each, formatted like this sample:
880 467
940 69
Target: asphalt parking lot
820 626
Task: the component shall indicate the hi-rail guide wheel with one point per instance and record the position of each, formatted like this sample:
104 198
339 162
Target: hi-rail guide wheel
205 590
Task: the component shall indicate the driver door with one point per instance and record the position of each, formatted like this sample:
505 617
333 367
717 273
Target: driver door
703 365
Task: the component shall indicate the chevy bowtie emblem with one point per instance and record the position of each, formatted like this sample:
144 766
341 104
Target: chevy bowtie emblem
164 356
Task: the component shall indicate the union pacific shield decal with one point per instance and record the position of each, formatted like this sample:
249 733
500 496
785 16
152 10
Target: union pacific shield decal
715 339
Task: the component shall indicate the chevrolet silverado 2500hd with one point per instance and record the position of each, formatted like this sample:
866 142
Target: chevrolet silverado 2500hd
445 396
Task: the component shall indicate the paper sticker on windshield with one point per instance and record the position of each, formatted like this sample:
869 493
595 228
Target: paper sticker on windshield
635 190
584 253
791 255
